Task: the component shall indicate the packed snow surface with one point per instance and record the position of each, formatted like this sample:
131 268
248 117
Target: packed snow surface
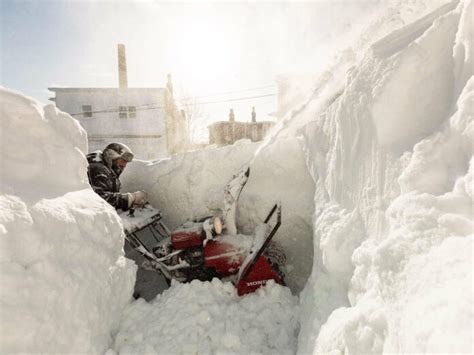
210 318
64 279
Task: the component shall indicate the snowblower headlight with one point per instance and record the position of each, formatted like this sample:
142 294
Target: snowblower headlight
217 225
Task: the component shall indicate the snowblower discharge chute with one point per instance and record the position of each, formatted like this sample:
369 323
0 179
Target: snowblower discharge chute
210 248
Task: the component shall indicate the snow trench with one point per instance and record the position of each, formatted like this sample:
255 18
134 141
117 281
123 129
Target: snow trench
374 172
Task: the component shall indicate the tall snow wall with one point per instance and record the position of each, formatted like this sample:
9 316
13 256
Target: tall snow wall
64 279
392 161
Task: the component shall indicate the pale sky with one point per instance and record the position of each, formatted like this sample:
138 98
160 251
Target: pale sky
209 48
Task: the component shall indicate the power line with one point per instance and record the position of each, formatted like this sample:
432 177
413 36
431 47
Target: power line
225 93
183 100
235 99
142 108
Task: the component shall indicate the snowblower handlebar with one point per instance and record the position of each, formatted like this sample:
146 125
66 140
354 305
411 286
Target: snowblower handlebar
249 266
275 207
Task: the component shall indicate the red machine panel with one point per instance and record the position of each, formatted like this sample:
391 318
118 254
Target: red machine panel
259 275
187 238
226 258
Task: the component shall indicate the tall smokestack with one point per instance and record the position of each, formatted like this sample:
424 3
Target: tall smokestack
122 67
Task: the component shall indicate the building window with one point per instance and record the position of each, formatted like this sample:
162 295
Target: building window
123 112
132 111
87 110
127 111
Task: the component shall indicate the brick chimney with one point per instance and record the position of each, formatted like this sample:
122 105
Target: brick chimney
122 67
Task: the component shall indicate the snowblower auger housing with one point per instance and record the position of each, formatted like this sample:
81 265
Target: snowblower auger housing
210 248
257 268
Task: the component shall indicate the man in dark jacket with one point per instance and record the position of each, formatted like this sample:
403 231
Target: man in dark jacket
104 171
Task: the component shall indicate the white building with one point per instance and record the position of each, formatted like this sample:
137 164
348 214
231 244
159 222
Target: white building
145 119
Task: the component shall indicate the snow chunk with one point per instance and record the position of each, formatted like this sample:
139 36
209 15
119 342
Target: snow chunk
464 47
353 331
40 146
440 159
404 109
437 293
341 233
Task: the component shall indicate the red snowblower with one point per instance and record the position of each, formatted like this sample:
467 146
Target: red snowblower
210 247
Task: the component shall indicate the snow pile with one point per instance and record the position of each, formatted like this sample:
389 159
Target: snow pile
209 318
64 278
191 185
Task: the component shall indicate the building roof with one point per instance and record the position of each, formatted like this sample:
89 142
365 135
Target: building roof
224 123
61 89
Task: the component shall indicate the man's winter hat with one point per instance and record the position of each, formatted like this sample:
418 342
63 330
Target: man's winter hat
116 151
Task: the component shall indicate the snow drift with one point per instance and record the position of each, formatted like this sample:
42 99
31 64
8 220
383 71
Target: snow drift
64 278
395 174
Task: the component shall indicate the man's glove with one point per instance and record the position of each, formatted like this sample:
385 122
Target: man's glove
139 198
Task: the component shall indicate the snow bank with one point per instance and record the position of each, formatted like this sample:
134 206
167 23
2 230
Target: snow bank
209 318
392 162
191 185
64 278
